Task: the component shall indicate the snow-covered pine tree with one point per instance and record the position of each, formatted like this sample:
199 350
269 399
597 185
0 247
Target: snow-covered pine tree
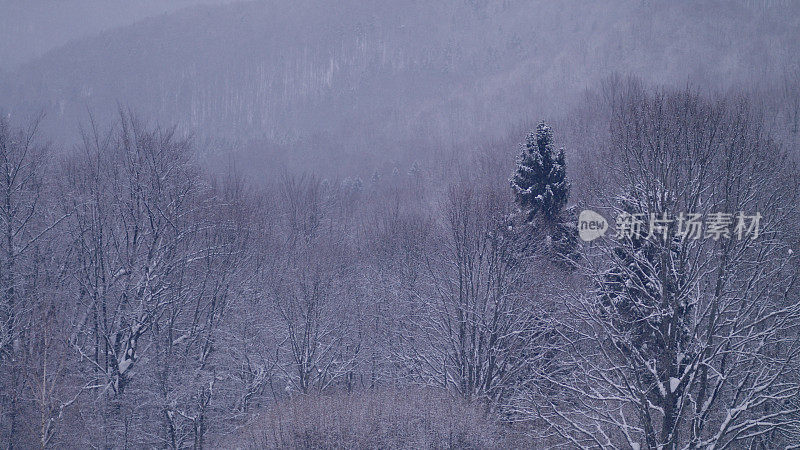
540 183
541 191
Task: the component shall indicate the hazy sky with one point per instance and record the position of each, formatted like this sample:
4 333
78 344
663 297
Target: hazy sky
28 28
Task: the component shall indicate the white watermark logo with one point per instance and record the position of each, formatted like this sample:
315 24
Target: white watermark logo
716 226
591 225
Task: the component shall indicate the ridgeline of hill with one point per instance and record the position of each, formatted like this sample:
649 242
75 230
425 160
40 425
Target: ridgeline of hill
351 82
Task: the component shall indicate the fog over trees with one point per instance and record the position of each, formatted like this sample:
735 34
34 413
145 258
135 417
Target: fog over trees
313 224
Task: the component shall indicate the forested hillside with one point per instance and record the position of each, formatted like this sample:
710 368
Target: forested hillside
334 81
446 224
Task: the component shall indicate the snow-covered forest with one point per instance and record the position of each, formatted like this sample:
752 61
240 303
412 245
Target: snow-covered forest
264 225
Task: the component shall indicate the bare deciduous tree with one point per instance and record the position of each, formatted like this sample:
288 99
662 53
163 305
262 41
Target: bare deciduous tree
478 327
687 342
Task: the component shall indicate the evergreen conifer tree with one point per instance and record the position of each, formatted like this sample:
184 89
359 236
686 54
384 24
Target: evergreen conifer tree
540 183
541 191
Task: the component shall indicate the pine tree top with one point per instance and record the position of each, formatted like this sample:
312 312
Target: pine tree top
539 183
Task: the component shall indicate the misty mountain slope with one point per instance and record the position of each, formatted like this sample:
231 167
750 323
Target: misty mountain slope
350 77
30 28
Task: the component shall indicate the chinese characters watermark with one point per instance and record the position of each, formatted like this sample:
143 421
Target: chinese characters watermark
715 225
